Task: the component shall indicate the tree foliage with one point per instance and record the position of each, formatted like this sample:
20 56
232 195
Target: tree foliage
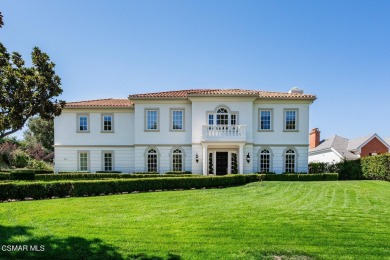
27 91
40 131
1 20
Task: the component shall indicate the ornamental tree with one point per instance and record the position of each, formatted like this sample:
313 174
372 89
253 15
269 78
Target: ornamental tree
27 91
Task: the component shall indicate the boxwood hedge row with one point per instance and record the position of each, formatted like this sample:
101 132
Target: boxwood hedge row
42 190
96 176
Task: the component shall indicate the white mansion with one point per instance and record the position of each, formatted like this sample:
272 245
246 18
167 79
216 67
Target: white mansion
205 131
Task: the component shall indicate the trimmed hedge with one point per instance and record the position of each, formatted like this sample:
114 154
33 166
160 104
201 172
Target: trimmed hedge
4 176
42 190
302 177
97 176
347 170
376 167
145 173
176 173
22 175
34 171
108 172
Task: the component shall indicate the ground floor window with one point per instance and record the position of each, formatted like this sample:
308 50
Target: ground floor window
290 157
152 161
83 161
265 161
177 160
107 162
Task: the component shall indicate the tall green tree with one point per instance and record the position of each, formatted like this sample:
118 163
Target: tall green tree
27 91
1 20
40 131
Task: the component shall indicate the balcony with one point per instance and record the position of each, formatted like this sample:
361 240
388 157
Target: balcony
224 133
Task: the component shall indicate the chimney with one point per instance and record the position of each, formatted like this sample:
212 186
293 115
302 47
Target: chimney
296 91
314 138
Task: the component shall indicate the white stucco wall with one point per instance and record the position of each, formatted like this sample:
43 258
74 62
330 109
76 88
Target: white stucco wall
65 128
278 135
66 158
130 140
164 135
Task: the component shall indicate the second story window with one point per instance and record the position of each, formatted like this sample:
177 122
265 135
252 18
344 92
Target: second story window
177 119
265 120
107 123
83 123
290 119
152 120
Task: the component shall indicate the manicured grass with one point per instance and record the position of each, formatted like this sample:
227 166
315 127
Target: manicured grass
297 220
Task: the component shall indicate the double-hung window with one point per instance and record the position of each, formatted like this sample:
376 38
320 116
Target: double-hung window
152 120
291 119
83 161
83 123
177 119
265 119
108 161
107 123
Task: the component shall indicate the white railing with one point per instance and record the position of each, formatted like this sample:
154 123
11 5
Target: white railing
223 132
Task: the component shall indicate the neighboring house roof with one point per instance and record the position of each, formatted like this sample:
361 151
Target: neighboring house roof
343 146
337 144
108 102
387 140
354 144
222 92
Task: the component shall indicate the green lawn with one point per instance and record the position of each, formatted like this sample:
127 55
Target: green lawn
297 220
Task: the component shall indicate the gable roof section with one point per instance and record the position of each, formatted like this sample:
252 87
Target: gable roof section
338 144
387 140
184 94
99 103
356 144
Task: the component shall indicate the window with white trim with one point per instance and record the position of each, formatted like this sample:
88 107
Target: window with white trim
152 160
291 119
152 120
265 161
177 160
107 121
265 119
83 161
289 161
177 119
222 116
107 161
83 123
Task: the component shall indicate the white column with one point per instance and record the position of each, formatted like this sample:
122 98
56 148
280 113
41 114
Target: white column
241 159
205 160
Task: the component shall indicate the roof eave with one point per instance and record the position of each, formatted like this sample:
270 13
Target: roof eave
97 107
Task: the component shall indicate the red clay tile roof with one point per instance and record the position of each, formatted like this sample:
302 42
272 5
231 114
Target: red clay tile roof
108 102
184 94
222 92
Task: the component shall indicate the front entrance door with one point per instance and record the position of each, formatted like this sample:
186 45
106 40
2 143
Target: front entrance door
222 163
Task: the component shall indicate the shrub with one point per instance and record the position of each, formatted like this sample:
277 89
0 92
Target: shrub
39 165
19 158
22 175
97 176
108 172
4 176
350 170
183 172
73 172
40 190
146 173
376 167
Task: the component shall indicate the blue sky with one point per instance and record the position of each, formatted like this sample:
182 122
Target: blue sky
338 50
